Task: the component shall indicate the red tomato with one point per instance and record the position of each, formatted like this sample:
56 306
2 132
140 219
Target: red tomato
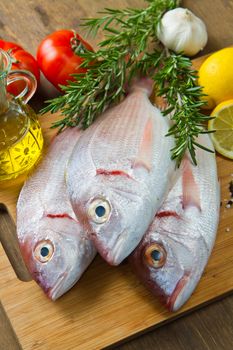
57 59
21 60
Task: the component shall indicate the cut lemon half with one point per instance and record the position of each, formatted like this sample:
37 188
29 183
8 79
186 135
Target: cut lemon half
223 124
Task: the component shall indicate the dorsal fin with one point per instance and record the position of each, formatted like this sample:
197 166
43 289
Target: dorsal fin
144 157
191 193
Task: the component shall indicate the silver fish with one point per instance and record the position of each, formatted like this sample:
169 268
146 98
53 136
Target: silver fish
122 165
174 252
53 243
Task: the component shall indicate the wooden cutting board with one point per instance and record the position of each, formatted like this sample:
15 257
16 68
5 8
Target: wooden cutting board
108 304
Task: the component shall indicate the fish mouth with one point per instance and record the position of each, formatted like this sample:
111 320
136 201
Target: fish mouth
56 291
180 294
112 255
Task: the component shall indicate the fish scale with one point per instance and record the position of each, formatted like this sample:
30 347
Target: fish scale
48 185
46 220
123 147
183 232
121 166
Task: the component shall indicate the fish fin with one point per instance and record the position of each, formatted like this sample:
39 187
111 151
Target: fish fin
191 193
144 157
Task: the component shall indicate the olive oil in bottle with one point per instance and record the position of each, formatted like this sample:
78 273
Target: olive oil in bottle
21 138
21 142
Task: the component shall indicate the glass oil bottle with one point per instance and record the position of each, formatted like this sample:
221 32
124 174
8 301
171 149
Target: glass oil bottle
21 139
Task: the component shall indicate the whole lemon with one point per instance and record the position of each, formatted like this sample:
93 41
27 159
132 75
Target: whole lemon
216 77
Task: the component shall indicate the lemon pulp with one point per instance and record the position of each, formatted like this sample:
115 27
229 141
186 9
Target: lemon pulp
223 124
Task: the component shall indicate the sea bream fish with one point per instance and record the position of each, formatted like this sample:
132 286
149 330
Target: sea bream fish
172 255
53 243
119 171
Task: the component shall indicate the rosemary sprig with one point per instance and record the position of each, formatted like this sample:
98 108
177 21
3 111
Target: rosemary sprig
176 81
124 53
112 65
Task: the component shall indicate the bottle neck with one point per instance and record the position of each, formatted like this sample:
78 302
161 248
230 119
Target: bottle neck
4 104
4 65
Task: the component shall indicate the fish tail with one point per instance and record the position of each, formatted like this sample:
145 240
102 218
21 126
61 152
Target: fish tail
142 83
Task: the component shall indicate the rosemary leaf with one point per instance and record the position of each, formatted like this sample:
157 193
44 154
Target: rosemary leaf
125 53
176 81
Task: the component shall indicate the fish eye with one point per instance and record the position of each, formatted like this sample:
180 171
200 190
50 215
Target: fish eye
99 210
43 251
155 255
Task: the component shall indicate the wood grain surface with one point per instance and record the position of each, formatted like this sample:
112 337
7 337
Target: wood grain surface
105 291
8 340
32 22
209 328
27 22
10 244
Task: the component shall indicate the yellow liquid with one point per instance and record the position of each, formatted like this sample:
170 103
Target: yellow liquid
21 142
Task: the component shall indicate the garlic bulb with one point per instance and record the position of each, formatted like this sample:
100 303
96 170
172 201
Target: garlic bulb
181 31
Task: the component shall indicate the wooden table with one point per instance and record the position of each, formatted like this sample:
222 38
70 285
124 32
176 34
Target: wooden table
27 22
